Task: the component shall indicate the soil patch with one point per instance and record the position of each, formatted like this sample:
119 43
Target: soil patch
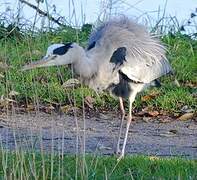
161 136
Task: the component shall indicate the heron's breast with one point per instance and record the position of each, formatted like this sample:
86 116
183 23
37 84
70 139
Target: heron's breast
122 89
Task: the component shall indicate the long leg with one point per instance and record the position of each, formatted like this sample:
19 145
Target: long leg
131 99
122 119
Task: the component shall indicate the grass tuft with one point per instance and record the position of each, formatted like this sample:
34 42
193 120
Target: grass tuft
35 166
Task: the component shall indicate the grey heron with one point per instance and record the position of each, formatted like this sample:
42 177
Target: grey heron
121 57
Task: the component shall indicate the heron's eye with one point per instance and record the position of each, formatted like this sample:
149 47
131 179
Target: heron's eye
53 57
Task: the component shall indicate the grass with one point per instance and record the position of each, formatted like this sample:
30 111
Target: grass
182 52
44 85
17 165
173 99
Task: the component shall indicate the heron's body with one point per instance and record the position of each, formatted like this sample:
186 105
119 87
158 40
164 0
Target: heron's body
121 57
122 51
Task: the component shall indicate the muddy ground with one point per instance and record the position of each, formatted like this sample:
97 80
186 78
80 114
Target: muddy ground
161 136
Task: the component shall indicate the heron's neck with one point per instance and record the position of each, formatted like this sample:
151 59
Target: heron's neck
84 65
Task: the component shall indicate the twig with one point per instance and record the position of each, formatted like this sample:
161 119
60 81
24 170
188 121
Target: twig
42 12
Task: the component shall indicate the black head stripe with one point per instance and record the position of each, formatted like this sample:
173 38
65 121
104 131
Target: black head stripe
63 49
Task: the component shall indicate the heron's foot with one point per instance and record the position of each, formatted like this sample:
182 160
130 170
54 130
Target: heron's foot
120 157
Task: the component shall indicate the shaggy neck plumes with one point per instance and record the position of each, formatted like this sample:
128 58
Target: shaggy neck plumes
84 65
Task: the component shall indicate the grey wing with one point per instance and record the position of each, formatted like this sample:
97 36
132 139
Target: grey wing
126 46
95 36
144 68
145 72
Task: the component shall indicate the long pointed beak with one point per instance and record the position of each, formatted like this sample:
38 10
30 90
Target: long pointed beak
45 62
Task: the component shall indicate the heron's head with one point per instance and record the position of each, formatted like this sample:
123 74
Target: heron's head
56 55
